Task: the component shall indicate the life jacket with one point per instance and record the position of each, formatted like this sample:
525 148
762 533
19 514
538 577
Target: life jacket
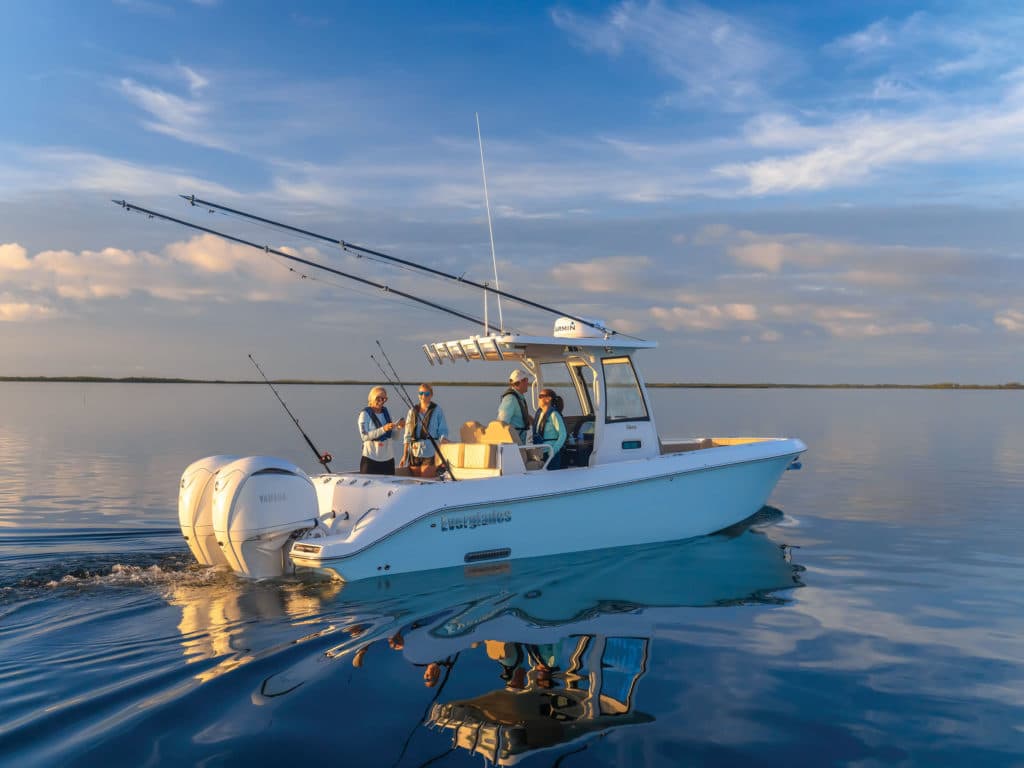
540 420
422 429
387 419
520 401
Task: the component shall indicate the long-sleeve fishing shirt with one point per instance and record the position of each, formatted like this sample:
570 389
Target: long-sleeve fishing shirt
436 426
511 409
377 441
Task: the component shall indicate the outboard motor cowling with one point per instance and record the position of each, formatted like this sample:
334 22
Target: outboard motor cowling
259 502
195 508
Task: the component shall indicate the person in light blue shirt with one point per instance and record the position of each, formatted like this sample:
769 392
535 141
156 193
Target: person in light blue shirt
376 430
425 419
512 409
549 427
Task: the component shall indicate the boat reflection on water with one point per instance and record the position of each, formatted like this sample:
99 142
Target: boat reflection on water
567 639
550 705
217 619
572 637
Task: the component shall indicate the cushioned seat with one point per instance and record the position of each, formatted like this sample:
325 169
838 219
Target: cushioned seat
479 456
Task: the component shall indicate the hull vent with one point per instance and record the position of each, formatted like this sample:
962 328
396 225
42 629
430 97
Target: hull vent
487 554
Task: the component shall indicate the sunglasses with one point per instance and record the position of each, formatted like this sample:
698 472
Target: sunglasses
379 399
545 397
425 394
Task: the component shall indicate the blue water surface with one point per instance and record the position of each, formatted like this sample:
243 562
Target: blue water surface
872 615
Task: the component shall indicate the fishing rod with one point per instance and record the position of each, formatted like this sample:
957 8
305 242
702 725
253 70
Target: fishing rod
267 249
323 458
352 247
396 382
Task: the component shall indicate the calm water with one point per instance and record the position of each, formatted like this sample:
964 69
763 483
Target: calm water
873 615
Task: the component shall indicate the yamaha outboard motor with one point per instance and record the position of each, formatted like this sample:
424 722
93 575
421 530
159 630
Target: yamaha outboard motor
195 508
259 504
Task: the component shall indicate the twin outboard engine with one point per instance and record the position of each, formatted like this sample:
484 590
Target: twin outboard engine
244 512
195 508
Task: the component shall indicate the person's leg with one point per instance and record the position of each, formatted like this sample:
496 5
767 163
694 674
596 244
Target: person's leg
556 461
377 467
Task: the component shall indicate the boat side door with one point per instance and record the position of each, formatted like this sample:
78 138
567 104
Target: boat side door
625 429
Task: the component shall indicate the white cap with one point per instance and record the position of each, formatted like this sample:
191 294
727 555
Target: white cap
517 375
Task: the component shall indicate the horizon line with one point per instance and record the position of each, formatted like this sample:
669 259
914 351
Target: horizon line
1012 385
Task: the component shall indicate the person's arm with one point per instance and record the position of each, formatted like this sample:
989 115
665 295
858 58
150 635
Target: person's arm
506 408
410 426
442 426
558 422
407 442
370 432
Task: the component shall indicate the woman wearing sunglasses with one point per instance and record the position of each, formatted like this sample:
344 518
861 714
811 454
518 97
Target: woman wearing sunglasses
548 426
377 431
425 419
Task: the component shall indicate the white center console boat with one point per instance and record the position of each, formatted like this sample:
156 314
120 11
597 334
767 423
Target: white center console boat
624 483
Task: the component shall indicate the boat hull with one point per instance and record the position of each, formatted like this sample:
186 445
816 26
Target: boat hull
490 520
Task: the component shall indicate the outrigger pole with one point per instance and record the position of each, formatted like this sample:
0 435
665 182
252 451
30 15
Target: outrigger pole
323 458
267 249
359 249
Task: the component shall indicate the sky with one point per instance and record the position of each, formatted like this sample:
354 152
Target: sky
784 192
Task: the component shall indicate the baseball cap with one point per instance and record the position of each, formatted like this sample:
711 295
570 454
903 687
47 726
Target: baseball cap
517 375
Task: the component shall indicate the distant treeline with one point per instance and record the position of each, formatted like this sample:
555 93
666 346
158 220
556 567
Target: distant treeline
652 385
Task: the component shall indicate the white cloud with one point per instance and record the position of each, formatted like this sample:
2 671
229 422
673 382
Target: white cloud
703 317
938 46
852 150
202 268
32 169
716 57
952 95
13 257
864 324
893 277
767 256
875 37
609 275
196 82
19 312
1011 320
176 116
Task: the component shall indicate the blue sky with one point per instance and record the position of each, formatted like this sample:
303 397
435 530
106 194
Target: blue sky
773 192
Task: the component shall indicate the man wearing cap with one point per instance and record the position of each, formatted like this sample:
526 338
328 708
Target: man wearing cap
513 409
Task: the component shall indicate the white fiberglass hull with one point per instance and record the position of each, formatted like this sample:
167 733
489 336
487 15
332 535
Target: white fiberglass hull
423 526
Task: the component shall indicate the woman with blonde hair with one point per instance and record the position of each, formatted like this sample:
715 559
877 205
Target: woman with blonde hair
377 430
424 421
